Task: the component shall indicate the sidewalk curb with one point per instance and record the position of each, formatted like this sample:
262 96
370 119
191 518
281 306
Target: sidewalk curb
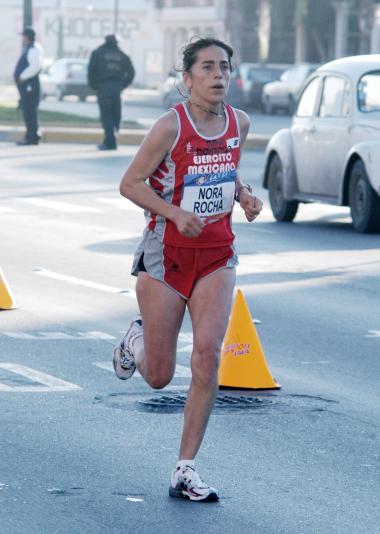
53 134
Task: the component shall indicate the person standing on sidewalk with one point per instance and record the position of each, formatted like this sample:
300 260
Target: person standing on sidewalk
185 175
26 76
109 72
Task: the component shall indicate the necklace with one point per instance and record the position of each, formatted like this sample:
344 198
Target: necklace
212 112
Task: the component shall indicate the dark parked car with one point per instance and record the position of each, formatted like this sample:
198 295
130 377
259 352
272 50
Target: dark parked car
67 76
255 76
174 91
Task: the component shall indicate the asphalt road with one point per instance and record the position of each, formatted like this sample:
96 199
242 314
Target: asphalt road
80 453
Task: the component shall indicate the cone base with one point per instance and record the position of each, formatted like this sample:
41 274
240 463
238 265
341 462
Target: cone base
278 386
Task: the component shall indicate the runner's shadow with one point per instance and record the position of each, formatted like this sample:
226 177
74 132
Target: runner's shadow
120 246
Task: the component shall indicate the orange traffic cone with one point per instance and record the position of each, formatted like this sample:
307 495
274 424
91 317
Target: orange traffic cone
243 363
6 300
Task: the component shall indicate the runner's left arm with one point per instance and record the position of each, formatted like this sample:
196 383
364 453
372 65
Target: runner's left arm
250 204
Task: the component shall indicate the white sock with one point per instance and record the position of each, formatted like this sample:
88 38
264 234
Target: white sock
183 463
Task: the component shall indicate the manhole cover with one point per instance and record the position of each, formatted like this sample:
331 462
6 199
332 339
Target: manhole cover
174 403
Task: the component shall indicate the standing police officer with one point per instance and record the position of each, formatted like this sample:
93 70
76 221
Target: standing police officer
28 84
109 72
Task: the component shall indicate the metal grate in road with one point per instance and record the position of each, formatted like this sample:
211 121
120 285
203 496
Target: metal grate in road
171 403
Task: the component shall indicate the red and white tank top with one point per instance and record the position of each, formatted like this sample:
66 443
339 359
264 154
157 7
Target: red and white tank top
199 175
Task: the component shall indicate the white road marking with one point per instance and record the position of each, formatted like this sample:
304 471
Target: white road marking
80 336
53 335
50 383
95 335
135 499
60 206
121 203
373 333
81 282
6 209
19 335
181 371
109 367
186 348
186 337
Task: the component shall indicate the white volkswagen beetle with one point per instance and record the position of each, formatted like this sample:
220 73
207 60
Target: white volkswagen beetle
331 152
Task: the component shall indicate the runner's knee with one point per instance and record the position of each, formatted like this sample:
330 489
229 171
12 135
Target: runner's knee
205 363
161 376
158 380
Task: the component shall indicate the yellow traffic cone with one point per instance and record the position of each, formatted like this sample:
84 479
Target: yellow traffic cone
6 300
243 363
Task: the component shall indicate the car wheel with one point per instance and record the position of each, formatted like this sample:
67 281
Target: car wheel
59 94
364 203
283 210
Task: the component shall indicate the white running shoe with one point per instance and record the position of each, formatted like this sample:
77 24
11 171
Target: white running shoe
123 361
187 484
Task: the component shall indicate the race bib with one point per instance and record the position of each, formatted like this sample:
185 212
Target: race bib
209 195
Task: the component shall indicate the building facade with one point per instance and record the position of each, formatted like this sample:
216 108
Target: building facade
69 28
154 31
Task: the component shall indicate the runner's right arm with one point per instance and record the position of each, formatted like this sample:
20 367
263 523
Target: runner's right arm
151 153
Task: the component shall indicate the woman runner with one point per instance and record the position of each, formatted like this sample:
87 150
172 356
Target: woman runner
190 158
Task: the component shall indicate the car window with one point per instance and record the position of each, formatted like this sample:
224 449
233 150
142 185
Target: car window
296 74
369 92
335 100
308 99
263 75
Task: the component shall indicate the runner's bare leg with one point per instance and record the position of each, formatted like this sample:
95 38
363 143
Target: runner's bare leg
209 307
162 313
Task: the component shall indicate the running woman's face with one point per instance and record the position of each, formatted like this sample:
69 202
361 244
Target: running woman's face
209 76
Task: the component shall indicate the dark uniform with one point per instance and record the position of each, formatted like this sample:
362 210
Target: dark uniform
109 72
29 87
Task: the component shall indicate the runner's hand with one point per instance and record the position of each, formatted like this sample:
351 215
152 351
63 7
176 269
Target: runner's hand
188 224
251 205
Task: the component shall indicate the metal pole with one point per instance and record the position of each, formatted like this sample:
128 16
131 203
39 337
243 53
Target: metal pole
60 30
28 13
341 28
115 15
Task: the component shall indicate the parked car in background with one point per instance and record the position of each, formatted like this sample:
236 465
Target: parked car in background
67 76
284 93
255 76
174 91
331 153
